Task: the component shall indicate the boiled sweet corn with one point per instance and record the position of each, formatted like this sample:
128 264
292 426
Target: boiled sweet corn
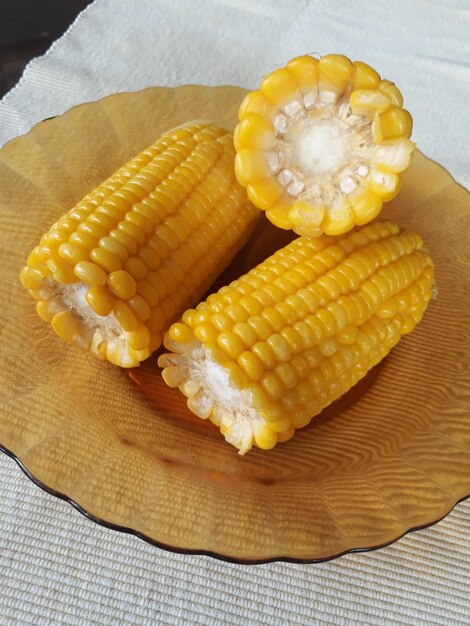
263 355
322 144
114 272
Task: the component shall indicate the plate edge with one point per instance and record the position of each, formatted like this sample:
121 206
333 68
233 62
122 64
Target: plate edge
215 555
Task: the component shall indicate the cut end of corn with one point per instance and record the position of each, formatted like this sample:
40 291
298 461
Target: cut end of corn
114 272
266 353
322 144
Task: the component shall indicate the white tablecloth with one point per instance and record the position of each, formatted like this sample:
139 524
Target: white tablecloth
56 567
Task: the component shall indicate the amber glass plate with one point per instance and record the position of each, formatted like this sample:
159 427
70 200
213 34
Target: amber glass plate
390 456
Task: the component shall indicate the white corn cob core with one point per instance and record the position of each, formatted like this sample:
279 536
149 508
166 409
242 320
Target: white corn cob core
235 405
320 146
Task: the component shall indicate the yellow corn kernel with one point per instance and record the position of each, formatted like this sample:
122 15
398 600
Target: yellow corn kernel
265 376
279 86
383 183
265 354
308 142
139 338
254 132
90 274
206 333
64 275
255 102
115 247
339 218
264 436
253 165
392 91
279 215
180 333
30 277
37 257
365 205
136 268
286 434
139 307
73 254
66 325
106 260
368 102
334 72
200 404
173 376
272 385
348 335
251 365
246 333
125 316
130 243
265 193
293 338
365 77
121 284
391 123
389 309
230 343
274 318
236 375
100 301
307 214
393 155
44 311
305 71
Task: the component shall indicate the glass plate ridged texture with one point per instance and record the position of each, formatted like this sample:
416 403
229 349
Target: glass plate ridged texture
390 456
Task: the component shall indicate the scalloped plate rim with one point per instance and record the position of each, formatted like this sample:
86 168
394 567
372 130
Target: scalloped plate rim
215 555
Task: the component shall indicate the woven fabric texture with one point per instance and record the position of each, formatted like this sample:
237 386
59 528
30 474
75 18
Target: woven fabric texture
58 567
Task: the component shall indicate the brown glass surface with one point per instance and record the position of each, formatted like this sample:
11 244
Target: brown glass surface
391 455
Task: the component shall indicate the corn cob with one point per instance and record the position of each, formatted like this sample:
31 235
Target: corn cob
263 355
114 272
322 143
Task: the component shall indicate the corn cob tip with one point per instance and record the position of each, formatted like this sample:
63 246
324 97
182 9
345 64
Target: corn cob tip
322 144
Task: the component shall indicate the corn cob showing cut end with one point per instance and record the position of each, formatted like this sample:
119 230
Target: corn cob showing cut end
322 144
266 353
113 273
